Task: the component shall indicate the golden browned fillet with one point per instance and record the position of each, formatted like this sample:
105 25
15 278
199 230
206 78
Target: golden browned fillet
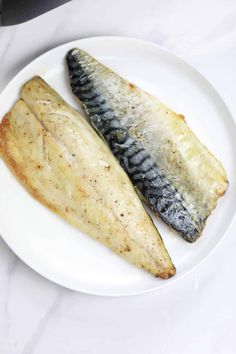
65 165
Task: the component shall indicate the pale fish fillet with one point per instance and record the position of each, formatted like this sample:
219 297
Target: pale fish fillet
176 175
64 164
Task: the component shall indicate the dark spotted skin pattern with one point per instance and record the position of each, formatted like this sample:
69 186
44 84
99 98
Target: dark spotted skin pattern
156 189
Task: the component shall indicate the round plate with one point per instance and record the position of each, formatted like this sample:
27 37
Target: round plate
62 253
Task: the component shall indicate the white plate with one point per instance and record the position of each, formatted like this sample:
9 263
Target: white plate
62 253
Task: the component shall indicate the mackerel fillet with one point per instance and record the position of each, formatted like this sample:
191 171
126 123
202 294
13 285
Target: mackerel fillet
65 165
175 174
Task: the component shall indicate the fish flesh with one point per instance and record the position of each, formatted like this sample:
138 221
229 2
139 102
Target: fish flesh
175 174
65 165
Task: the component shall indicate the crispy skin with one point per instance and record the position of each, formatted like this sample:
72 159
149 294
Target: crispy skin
66 166
176 175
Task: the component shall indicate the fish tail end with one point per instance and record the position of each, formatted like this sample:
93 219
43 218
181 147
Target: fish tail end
168 273
72 54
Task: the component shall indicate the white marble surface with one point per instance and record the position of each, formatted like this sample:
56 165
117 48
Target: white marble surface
195 315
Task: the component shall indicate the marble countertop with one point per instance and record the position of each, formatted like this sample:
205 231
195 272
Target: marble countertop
197 314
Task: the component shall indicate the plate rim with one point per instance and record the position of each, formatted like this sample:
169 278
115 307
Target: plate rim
214 90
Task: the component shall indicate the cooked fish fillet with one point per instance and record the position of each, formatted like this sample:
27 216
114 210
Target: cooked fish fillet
176 175
64 164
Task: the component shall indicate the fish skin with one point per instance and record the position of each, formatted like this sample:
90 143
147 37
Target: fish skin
65 165
176 175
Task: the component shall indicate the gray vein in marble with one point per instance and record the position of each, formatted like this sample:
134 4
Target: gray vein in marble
31 345
11 269
11 34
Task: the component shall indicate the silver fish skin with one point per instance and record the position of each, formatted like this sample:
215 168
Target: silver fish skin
175 174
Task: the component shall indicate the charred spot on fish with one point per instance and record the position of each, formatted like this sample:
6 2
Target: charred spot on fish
132 86
127 249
